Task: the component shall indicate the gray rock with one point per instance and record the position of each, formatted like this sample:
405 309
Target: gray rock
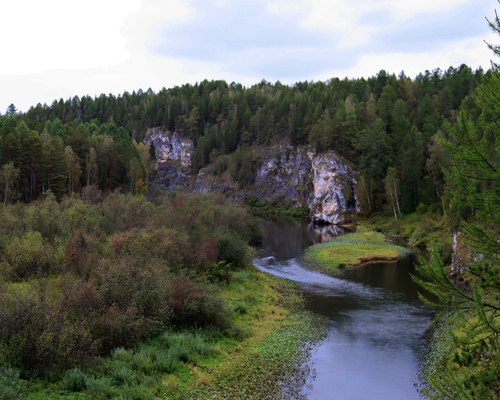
323 183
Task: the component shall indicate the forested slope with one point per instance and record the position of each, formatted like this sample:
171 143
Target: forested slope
387 126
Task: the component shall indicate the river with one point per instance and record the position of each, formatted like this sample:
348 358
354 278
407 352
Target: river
377 333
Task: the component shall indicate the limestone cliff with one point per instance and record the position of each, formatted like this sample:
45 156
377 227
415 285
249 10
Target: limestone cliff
334 188
281 173
173 157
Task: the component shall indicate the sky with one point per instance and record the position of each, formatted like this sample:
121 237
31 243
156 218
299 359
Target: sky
53 49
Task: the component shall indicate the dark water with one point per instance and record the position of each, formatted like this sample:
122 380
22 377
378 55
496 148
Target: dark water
377 325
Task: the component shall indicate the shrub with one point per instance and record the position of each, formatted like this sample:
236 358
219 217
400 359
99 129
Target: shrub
124 376
37 337
122 212
167 362
100 388
44 217
119 327
10 387
144 360
122 354
232 250
196 304
78 214
29 255
75 380
171 245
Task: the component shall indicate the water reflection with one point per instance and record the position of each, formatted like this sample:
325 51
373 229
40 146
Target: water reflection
377 324
288 239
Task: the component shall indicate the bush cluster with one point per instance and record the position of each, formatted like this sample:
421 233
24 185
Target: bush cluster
90 274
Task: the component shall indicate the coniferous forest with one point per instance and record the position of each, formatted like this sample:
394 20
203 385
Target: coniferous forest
388 126
95 263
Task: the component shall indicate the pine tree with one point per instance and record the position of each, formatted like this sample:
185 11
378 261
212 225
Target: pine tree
468 365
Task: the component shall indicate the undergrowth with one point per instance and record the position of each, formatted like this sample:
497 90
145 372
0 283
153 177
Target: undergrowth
261 355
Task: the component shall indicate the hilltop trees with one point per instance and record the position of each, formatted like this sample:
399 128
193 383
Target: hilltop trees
8 177
377 123
66 158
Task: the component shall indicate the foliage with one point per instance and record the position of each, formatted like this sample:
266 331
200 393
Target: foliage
422 228
10 385
382 124
86 275
469 364
75 380
282 337
262 356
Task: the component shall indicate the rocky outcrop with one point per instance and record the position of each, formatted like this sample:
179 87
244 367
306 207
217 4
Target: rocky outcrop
281 173
334 188
173 158
170 146
462 254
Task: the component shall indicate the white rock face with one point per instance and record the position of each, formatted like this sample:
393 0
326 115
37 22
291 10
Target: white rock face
333 181
170 146
323 183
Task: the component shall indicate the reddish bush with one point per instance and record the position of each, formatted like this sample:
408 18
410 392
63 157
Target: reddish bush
37 337
209 250
119 327
195 304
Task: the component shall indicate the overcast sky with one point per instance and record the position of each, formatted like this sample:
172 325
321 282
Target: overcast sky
54 49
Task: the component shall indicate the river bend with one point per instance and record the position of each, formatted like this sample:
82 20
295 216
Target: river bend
378 327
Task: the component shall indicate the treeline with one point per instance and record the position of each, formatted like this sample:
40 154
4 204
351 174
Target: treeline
95 272
63 159
387 126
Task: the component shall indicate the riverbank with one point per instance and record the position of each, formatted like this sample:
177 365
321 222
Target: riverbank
463 359
262 355
416 229
352 250
271 358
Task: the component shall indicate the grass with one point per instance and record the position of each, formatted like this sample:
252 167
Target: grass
419 229
462 363
351 250
273 337
262 356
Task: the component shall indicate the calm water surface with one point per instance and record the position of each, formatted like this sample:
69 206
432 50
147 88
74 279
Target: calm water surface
377 325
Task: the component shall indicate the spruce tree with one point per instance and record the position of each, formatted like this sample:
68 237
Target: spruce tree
465 363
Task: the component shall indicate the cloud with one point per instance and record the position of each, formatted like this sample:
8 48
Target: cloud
246 36
50 34
317 38
429 31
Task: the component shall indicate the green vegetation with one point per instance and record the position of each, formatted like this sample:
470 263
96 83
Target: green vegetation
262 207
87 273
271 361
114 296
419 229
387 127
465 359
351 250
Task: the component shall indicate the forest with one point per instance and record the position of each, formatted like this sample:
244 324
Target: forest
388 127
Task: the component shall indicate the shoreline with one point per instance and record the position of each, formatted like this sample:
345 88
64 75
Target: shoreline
351 251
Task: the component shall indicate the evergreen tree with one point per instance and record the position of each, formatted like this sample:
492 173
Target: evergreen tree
470 365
